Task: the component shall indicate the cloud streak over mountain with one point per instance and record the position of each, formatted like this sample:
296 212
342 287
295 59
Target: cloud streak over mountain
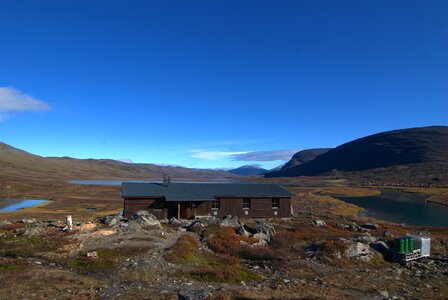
269 155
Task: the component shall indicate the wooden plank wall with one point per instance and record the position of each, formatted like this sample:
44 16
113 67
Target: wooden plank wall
260 208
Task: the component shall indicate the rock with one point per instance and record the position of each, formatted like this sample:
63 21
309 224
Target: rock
359 251
370 226
231 221
366 239
242 231
319 223
386 234
384 294
343 226
92 254
197 224
32 231
174 221
112 220
354 227
28 220
143 219
3 223
262 227
380 246
261 237
195 295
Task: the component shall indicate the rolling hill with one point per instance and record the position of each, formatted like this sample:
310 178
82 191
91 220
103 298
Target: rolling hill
416 150
248 170
304 156
16 163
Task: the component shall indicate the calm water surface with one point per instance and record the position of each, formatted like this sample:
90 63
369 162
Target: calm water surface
400 207
14 204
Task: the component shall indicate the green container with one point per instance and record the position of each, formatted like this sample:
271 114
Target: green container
401 246
411 244
406 245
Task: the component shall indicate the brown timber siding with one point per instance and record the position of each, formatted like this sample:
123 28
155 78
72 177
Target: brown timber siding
260 208
157 206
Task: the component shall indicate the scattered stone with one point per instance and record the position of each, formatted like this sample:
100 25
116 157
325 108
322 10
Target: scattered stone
262 227
32 230
28 220
366 238
112 220
386 234
195 295
370 226
92 254
3 223
231 221
384 294
319 223
242 231
174 221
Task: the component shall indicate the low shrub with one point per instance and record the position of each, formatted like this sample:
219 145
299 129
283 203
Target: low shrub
107 258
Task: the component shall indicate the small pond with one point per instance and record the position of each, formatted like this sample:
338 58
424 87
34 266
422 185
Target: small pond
400 207
17 204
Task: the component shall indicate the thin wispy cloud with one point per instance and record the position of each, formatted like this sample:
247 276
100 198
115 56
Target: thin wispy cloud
268 155
213 155
125 160
13 100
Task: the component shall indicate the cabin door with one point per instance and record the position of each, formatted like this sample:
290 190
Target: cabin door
182 210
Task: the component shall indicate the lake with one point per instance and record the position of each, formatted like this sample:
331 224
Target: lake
400 207
16 204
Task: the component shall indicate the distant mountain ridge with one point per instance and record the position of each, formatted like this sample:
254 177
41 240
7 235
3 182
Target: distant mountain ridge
21 164
411 146
248 170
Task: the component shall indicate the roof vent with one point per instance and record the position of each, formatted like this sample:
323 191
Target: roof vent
166 179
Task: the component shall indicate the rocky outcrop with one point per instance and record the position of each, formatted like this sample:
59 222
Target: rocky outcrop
264 228
231 221
143 219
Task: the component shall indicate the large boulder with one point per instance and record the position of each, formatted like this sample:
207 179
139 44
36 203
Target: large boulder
231 221
111 221
143 219
262 227
27 220
359 251
33 230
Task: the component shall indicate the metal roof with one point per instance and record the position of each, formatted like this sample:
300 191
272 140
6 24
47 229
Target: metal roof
201 191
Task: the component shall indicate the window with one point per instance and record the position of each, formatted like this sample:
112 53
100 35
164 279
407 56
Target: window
275 203
158 205
246 203
215 204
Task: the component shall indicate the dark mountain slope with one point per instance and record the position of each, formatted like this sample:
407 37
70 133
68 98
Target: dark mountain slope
382 150
303 157
248 171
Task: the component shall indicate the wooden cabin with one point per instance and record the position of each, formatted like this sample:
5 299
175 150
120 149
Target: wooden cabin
191 200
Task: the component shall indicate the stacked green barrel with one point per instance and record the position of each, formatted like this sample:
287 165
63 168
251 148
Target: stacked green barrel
404 244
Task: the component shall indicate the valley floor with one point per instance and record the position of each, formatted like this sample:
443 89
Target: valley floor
303 259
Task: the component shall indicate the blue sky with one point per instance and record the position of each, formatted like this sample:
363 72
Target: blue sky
216 83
